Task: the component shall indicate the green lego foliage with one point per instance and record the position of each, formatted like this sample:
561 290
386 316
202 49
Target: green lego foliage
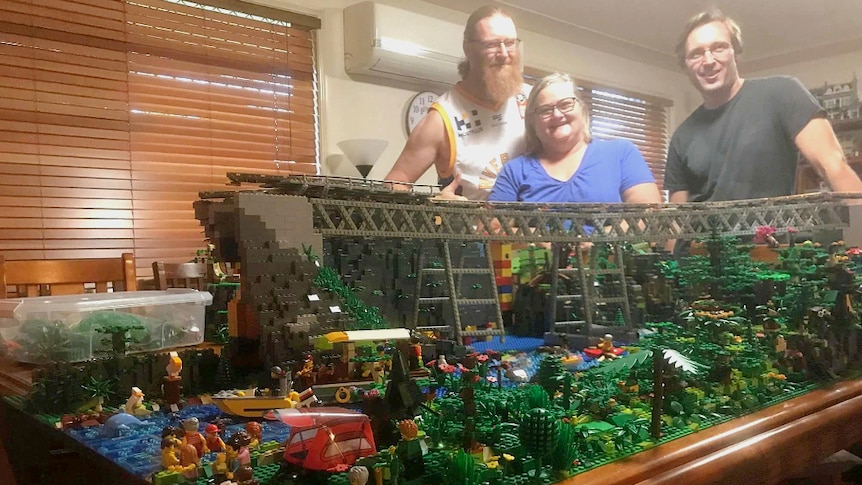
366 318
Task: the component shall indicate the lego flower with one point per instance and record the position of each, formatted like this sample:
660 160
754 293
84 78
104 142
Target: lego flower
764 234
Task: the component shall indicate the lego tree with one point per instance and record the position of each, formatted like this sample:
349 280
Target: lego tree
539 432
551 374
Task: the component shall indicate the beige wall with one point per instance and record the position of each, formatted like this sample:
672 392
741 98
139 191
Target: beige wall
352 109
829 70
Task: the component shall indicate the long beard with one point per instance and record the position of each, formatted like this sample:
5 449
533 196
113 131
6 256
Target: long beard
502 82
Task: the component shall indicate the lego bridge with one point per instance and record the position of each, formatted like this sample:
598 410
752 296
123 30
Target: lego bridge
348 207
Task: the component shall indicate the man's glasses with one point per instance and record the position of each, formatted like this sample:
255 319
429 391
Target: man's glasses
498 45
565 105
718 49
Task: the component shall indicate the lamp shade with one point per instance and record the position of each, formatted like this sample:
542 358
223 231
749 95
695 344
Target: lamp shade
363 152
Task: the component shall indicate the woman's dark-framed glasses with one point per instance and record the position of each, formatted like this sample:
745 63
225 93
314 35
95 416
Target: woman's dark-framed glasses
565 105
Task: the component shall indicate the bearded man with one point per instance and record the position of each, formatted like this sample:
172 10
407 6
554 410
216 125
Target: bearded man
478 125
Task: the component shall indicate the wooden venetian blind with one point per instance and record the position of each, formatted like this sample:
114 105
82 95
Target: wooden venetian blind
638 118
116 113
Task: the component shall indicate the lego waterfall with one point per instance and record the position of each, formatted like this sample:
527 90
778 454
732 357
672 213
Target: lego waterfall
378 337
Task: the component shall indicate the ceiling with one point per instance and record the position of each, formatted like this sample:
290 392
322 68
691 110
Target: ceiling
775 32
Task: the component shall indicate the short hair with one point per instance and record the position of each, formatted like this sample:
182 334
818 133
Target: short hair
704 18
531 139
477 16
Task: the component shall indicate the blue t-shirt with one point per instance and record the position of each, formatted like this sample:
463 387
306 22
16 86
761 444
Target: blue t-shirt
609 168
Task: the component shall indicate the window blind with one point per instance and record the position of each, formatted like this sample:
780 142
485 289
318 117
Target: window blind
635 117
117 113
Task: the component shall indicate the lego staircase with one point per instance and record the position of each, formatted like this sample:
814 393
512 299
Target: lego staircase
593 297
453 290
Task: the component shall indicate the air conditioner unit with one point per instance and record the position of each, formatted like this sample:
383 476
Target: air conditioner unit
381 41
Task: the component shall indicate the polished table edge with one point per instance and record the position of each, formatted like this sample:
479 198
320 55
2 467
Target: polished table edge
777 454
678 460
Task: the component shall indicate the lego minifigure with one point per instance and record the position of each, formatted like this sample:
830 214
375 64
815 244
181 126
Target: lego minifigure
285 383
220 469
175 365
174 432
135 403
306 374
212 438
238 443
193 437
244 475
172 385
607 343
170 459
409 450
255 432
358 475
189 461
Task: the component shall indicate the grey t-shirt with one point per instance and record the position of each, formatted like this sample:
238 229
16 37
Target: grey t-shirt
745 148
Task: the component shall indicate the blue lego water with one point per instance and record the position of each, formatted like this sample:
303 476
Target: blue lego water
137 449
512 344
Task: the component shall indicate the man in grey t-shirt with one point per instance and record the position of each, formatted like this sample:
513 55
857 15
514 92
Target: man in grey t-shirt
742 143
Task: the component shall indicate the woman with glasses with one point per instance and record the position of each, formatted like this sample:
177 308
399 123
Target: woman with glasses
563 163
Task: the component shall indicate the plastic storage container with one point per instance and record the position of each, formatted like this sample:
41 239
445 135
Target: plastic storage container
75 328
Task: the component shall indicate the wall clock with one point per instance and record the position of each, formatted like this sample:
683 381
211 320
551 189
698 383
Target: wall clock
418 107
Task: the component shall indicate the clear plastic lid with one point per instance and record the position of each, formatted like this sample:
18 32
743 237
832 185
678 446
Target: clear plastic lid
20 308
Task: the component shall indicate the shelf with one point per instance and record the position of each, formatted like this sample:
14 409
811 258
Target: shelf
807 179
847 125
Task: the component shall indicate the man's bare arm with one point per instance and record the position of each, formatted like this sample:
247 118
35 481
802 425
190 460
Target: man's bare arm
678 197
426 146
818 144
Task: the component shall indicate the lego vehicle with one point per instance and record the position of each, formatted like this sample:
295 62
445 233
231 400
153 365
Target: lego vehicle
325 437
248 405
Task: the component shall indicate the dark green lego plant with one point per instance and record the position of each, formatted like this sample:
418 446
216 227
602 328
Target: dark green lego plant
42 341
100 390
551 375
539 433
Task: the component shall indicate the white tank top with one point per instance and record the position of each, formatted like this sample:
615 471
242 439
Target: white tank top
481 138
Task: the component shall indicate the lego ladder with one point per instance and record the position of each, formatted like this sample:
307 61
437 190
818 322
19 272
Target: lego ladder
564 326
590 295
456 302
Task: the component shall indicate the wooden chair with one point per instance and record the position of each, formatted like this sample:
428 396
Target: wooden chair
180 275
42 277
